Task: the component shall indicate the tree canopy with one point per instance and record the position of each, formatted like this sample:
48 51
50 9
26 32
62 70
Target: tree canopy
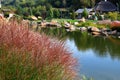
39 7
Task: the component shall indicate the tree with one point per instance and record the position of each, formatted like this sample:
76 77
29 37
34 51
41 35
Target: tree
57 3
75 5
92 3
50 13
56 13
40 2
26 11
48 6
85 13
73 14
19 10
64 3
85 3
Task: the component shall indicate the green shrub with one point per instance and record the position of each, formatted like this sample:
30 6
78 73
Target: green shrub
37 13
113 15
50 13
86 24
89 23
6 14
85 13
118 18
99 17
56 13
16 18
73 15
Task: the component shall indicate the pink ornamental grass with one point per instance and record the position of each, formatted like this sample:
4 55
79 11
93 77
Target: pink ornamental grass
49 56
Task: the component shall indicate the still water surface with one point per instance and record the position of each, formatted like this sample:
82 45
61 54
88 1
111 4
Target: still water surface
96 66
98 57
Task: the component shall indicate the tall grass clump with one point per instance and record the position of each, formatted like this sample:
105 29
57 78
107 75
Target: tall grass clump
27 55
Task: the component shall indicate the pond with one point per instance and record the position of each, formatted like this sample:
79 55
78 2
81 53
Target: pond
98 56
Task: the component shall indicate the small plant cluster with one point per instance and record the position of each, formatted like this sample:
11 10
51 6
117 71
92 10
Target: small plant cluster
113 16
90 23
27 55
85 13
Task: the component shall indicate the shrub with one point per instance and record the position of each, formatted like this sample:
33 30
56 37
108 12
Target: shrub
99 17
92 24
17 18
27 55
6 14
86 24
73 15
85 13
118 18
113 15
56 13
50 13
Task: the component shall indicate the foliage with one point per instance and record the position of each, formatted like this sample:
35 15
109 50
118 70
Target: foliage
26 11
85 13
99 17
6 14
82 39
21 6
118 18
73 15
85 3
60 33
50 13
56 13
71 21
16 18
112 15
90 23
27 55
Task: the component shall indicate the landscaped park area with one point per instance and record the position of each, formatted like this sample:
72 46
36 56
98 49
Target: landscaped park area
54 40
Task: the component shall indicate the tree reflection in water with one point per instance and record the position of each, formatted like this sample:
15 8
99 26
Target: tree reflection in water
102 46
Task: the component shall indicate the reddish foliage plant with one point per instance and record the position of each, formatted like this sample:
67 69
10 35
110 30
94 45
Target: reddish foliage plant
115 24
49 56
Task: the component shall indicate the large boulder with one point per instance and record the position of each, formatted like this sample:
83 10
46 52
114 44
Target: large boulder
82 20
72 28
34 18
95 33
67 25
95 29
76 23
83 28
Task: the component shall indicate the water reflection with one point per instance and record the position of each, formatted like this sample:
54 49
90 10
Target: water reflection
102 46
